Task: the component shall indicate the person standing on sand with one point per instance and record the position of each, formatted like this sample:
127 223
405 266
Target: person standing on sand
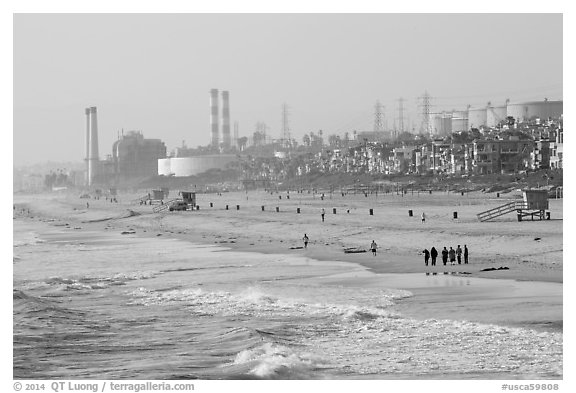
373 247
423 217
433 254
444 256
426 256
465 254
322 212
305 238
87 205
459 254
452 255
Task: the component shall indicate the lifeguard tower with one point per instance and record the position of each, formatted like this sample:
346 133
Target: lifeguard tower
189 198
534 203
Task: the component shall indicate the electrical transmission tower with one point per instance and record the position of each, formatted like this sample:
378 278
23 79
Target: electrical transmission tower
426 125
285 127
379 117
401 115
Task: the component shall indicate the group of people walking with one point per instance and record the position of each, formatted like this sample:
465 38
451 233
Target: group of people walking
452 255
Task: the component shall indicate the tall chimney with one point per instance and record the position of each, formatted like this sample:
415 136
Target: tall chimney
87 142
93 159
225 119
214 129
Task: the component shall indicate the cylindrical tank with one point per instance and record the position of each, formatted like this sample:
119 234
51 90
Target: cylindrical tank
477 117
189 166
164 166
459 121
524 111
495 114
214 128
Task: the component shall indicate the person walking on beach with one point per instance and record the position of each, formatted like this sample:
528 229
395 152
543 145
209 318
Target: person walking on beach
433 254
423 217
444 256
305 238
465 254
322 212
452 255
87 205
426 256
459 254
373 247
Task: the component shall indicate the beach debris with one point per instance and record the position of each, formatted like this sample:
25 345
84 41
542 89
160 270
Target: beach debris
353 250
296 248
537 238
489 269
128 232
158 234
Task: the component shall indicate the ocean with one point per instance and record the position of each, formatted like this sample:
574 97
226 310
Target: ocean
105 305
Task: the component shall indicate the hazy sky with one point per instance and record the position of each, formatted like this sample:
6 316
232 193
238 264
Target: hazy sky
153 72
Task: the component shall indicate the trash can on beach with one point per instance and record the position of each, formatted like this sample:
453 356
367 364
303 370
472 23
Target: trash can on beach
455 215
410 213
371 212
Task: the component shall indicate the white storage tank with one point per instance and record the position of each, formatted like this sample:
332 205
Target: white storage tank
477 117
459 121
495 114
524 111
164 166
189 166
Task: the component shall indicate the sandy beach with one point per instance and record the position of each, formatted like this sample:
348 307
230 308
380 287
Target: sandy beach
531 250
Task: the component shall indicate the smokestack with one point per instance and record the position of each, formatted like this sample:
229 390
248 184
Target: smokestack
87 142
93 159
214 129
225 120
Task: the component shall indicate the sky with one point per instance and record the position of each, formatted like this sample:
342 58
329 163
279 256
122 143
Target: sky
153 72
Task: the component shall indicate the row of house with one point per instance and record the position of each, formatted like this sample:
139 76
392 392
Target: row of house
481 156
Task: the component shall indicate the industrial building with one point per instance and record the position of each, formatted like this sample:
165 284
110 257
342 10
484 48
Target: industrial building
135 157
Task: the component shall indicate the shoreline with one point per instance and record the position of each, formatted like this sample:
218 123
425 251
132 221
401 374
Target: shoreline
274 235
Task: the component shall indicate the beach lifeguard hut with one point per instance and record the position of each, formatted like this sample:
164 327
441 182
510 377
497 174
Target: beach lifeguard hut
534 203
188 197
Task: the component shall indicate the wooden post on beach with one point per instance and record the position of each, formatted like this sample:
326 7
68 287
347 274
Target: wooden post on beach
410 213
298 210
211 204
226 207
237 207
262 208
334 210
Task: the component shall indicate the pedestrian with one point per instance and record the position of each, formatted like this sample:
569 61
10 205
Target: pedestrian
373 247
459 254
423 217
452 255
305 238
433 254
322 212
444 256
87 205
465 254
426 256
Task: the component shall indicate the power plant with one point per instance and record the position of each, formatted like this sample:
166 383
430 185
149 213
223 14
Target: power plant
225 120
